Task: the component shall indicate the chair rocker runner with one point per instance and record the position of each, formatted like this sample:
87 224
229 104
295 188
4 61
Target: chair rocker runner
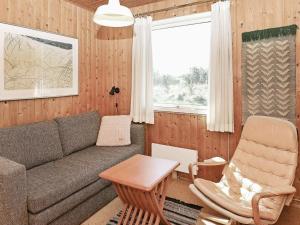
257 182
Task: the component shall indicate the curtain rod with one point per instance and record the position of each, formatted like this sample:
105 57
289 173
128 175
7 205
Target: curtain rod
174 7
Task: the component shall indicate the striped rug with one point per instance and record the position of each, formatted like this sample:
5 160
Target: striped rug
177 213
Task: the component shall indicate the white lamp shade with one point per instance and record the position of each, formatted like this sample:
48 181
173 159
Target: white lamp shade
113 15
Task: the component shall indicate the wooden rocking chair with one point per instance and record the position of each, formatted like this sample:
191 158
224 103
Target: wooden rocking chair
257 182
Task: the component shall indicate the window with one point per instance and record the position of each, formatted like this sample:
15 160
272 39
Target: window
181 59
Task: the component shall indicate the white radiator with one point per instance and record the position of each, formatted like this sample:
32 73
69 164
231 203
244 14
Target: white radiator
182 155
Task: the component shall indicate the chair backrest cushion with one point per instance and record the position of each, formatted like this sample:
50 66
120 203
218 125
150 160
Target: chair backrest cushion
31 145
266 156
79 131
272 132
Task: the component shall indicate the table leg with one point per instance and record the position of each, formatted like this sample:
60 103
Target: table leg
142 206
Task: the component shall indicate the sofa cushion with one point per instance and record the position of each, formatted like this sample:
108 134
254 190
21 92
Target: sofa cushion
31 145
62 207
78 132
79 213
55 181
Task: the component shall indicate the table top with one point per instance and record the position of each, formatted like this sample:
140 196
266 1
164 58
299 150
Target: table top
141 172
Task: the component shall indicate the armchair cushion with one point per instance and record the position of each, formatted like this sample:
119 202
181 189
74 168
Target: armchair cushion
237 202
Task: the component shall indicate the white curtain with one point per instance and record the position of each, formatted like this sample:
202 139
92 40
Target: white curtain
220 101
142 72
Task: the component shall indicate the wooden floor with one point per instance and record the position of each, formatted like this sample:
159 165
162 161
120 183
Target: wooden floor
179 190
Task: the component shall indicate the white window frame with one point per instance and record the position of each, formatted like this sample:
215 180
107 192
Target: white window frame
177 22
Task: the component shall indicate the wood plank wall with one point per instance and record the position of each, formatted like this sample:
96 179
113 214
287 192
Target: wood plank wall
62 18
98 53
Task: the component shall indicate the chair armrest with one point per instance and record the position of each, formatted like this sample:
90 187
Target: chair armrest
215 161
13 193
268 193
280 190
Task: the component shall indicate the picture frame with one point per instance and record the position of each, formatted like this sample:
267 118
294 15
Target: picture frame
36 64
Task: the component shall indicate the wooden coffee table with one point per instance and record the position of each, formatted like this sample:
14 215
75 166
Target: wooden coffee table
141 183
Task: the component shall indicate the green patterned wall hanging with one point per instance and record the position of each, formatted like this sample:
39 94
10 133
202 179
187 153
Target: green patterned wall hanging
269 73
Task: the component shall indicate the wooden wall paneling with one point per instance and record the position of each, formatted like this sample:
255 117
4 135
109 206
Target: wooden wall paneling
109 100
104 82
9 106
24 112
106 74
28 18
94 69
54 25
121 98
76 15
64 18
125 81
66 26
233 138
292 16
82 66
105 85
50 104
116 60
99 69
74 34
111 71
98 72
90 68
39 112
3 106
119 71
87 65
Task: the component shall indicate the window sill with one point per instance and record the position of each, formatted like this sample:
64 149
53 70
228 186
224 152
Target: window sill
180 110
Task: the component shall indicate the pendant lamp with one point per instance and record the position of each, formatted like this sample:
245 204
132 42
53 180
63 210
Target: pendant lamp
113 15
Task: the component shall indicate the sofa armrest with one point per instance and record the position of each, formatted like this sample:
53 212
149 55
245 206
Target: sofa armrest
137 133
13 193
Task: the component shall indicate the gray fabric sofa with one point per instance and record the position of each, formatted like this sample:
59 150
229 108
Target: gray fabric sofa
49 170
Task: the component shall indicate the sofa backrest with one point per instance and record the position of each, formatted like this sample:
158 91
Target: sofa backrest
79 131
31 145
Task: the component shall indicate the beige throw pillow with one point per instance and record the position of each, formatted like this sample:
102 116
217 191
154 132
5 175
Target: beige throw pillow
114 131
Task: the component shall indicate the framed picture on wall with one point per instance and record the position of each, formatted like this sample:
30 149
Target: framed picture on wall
36 64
